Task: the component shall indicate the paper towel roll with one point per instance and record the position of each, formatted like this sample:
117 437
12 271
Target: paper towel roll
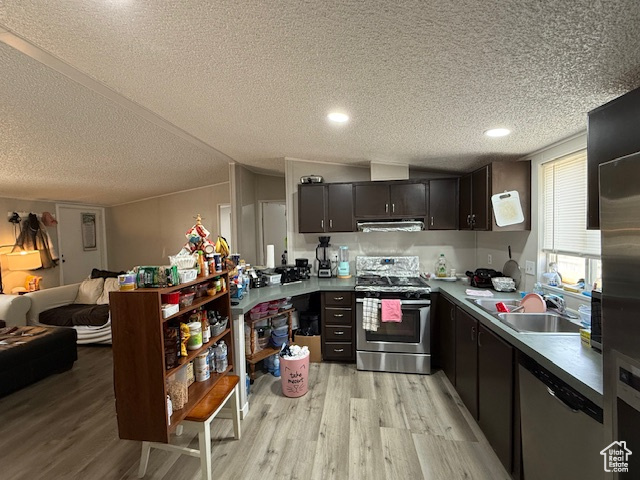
271 263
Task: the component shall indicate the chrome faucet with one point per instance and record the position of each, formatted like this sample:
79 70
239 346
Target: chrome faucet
560 305
558 302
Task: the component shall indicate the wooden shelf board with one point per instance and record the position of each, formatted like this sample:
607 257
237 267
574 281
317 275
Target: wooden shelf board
269 317
198 280
191 354
262 354
198 302
197 391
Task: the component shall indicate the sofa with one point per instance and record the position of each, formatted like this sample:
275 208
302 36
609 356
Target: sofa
81 306
13 309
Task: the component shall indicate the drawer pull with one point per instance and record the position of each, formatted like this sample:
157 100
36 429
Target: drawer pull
339 333
338 299
338 350
338 315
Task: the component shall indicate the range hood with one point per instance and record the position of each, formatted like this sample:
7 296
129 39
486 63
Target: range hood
390 226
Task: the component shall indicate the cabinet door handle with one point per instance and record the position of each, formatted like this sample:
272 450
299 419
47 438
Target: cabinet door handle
339 333
432 221
469 220
479 341
473 219
393 208
330 223
452 314
473 334
322 224
386 208
338 299
338 315
338 350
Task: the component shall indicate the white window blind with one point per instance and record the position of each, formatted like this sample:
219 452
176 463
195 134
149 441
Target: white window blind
565 208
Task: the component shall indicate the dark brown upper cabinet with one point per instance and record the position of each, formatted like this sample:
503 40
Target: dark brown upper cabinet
340 207
613 131
443 204
476 189
325 208
390 200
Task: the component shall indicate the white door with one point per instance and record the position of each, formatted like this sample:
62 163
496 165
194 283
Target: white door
274 230
82 240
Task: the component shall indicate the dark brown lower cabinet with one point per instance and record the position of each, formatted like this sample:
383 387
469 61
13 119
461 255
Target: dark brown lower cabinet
495 393
467 360
445 348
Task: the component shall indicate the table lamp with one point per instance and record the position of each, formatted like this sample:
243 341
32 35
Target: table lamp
25 260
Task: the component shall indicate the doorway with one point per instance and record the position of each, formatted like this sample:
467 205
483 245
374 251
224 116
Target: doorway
273 229
82 241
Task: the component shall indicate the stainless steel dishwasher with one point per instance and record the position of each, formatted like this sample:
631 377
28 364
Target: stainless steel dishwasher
562 431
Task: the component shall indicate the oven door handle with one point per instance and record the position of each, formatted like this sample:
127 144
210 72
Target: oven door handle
423 303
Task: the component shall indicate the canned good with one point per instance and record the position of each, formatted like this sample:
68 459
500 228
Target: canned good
218 284
195 339
202 367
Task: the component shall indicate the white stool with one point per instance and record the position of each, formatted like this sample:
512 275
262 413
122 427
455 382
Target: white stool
199 419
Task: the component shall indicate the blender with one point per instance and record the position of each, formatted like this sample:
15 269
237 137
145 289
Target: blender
343 262
324 263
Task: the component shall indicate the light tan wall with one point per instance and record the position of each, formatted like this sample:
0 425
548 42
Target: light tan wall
458 247
251 188
148 231
525 245
51 276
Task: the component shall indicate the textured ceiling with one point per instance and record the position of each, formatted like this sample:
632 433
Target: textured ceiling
421 79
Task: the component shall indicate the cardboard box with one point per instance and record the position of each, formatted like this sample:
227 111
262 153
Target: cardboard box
314 344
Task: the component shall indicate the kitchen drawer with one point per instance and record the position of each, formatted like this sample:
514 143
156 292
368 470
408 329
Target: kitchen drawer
338 351
337 334
337 316
338 299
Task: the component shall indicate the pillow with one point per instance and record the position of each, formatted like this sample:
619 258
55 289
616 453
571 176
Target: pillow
96 273
110 285
89 291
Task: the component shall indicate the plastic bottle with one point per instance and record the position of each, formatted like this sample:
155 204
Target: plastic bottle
276 365
441 266
221 357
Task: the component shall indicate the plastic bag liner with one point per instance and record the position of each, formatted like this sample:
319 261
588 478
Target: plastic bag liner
401 226
294 371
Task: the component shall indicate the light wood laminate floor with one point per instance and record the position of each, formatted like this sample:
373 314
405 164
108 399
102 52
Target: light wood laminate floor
350 425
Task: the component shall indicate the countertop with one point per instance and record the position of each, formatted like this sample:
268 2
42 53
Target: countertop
562 355
266 294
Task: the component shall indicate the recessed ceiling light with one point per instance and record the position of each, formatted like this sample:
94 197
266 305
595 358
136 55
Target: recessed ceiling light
497 132
338 117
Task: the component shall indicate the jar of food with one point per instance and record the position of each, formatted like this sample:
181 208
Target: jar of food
195 338
202 367
178 389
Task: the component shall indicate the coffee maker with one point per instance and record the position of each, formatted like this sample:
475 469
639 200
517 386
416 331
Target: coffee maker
304 270
322 255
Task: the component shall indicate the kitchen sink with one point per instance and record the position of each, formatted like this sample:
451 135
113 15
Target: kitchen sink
539 323
489 304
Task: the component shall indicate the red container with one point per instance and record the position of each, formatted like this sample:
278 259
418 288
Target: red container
294 375
173 298
502 307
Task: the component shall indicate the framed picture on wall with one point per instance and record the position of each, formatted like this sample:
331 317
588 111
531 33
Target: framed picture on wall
89 231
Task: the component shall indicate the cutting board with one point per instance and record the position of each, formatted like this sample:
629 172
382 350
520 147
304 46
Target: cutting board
507 209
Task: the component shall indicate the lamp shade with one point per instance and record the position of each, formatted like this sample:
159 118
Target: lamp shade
29 260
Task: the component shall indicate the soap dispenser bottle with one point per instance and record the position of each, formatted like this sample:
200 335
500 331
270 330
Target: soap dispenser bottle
441 266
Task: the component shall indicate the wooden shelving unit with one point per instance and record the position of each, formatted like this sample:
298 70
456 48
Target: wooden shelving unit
139 369
254 356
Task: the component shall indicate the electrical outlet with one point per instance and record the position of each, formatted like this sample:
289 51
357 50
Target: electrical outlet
489 259
530 267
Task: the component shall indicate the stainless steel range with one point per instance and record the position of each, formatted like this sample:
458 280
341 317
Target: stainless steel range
393 346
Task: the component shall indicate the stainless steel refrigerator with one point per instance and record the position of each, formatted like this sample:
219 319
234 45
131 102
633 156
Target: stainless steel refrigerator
620 227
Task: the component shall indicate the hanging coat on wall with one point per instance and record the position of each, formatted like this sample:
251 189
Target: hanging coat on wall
34 236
